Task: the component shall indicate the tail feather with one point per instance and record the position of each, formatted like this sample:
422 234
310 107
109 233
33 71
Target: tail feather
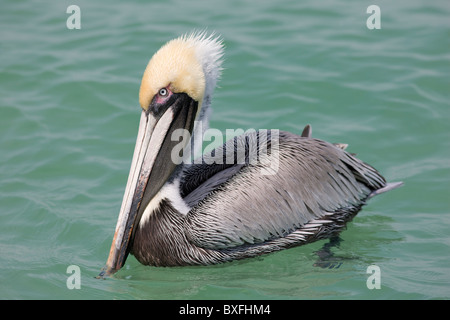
388 187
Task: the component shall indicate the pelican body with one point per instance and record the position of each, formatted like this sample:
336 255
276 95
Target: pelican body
179 213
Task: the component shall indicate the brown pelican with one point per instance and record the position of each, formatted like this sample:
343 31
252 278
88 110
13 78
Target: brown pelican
177 213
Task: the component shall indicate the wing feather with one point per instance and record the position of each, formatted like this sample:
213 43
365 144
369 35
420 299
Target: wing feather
313 179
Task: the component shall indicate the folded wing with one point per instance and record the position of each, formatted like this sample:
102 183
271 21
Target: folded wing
253 200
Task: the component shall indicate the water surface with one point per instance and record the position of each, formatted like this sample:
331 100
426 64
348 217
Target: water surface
69 114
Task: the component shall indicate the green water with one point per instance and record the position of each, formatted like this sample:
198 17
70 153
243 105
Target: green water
69 114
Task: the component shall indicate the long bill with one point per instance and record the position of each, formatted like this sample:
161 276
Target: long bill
151 166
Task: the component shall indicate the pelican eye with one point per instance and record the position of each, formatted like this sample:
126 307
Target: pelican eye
163 92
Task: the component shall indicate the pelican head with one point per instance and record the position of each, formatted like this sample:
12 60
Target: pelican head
175 91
